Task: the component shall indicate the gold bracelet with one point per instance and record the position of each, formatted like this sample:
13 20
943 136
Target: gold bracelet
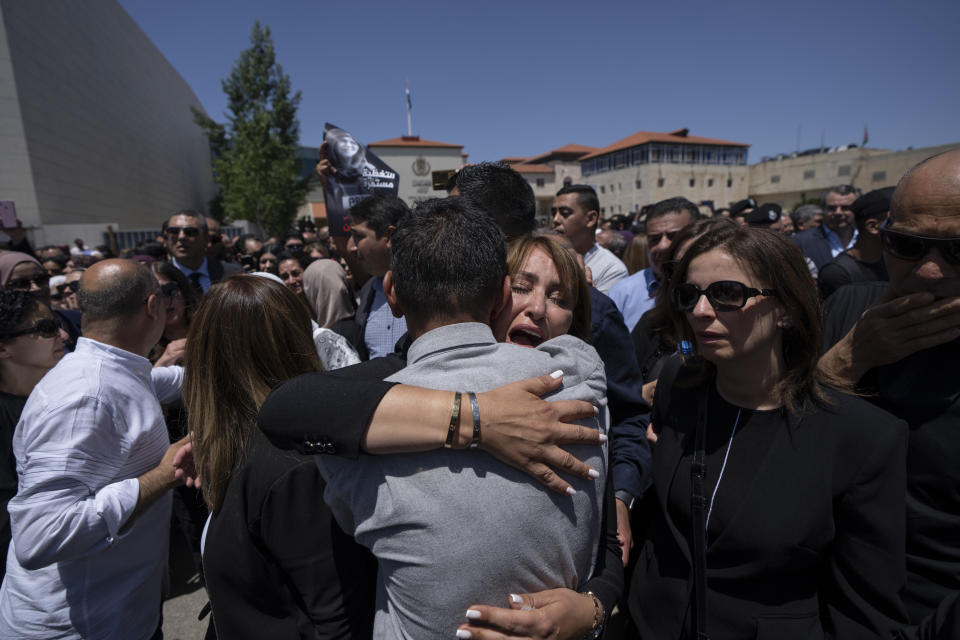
454 421
597 629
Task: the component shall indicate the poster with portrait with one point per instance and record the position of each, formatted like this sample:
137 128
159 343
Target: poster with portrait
359 174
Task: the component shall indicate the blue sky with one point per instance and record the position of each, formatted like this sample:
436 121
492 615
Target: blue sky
519 78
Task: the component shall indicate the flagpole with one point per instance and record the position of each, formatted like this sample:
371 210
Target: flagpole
409 105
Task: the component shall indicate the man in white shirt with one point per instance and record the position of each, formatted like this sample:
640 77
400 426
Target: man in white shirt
575 213
90 521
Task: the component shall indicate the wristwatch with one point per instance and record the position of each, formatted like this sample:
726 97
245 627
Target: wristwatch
625 497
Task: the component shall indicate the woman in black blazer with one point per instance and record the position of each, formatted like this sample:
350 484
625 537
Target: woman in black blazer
799 505
276 563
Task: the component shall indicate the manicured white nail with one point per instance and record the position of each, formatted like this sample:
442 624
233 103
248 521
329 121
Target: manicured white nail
596 411
473 614
571 491
515 599
463 633
603 438
593 473
556 374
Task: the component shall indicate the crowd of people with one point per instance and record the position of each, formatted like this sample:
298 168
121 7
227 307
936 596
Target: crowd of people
731 423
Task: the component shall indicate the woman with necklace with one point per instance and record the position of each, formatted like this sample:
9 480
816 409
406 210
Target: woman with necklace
778 503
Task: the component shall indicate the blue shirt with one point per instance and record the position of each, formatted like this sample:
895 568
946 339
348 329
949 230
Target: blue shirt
203 271
635 295
836 246
382 330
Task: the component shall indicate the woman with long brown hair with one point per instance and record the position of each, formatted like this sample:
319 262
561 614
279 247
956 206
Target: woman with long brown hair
778 502
273 568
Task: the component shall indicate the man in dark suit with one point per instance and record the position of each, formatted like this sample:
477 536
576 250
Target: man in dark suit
899 343
187 241
837 233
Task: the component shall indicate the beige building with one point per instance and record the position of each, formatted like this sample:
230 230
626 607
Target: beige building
643 168
415 160
95 124
790 180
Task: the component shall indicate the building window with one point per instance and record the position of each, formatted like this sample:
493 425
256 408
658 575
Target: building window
654 153
602 210
659 182
603 189
729 182
774 179
843 170
689 155
809 174
675 154
639 184
709 182
693 181
620 186
541 182
879 176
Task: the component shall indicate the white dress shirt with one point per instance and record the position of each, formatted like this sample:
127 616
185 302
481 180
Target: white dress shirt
91 426
606 268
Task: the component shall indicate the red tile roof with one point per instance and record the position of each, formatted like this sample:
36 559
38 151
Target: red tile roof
575 150
643 137
413 141
531 168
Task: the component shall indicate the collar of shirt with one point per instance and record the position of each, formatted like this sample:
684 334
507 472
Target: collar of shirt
653 285
203 270
836 246
138 365
451 336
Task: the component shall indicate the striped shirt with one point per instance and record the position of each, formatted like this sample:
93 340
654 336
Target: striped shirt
91 426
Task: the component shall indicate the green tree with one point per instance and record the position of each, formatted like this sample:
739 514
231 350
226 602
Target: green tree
255 152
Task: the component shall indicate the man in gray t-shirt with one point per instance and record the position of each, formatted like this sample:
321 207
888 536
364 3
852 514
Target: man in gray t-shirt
451 528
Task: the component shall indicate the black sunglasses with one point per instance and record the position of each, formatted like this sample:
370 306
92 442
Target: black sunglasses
190 232
170 290
723 295
23 284
653 239
47 328
73 286
907 246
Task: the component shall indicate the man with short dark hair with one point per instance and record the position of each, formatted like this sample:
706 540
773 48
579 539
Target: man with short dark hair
636 294
293 242
500 191
187 241
448 278
575 213
863 262
90 520
899 342
372 223
806 216
837 233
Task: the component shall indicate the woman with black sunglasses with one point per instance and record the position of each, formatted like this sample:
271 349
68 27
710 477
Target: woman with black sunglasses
31 343
22 272
778 502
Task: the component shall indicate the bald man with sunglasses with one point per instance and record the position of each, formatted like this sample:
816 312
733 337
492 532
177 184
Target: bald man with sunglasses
900 343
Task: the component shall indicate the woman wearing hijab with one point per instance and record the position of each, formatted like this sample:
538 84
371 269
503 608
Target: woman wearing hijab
23 272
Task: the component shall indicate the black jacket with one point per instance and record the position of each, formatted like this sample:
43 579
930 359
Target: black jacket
815 547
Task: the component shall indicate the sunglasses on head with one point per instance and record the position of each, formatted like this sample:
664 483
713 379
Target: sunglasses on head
723 295
653 239
47 328
190 232
908 246
23 284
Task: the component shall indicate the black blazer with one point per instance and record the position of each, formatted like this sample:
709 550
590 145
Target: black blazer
276 563
220 270
814 244
815 548
366 296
